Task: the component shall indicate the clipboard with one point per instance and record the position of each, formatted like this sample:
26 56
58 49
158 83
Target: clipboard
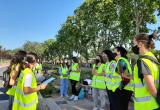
49 80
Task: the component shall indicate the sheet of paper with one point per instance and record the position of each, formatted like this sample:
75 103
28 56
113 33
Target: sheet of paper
48 80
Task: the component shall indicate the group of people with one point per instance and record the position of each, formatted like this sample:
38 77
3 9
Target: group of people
112 74
23 84
69 72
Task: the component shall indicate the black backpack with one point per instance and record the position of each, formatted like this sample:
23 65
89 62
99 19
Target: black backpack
158 63
6 78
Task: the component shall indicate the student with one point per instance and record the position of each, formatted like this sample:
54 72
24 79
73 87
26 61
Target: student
74 77
123 86
98 83
64 79
146 74
108 58
25 97
14 68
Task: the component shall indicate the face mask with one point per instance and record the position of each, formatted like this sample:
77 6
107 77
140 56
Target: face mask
97 61
135 49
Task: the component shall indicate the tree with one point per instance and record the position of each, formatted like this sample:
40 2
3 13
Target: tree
34 47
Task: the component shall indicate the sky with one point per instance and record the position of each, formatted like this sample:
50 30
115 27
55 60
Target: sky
36 20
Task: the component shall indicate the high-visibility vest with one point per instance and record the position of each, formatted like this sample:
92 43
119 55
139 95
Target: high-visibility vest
11 91
130 85
143 99
38 68
24 101
99 81
64 72
109 75
117 77
74 75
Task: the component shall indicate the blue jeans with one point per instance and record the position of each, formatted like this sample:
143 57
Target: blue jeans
64 87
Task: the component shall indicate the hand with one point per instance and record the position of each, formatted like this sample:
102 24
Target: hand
126 76
42 86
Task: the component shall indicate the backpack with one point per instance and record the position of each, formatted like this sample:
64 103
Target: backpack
81 94
6 78
158 63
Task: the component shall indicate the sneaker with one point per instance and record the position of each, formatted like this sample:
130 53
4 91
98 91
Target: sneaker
61 96
75 98
66 96
72 97
95 108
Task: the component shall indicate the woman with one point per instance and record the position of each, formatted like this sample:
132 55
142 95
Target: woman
108 58
14 67
74 78
25 97
123 83
98 83
146 74
64 79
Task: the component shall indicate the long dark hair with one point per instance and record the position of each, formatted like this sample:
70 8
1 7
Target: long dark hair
109 54
75 59
101 58
29 59
17 59
122 51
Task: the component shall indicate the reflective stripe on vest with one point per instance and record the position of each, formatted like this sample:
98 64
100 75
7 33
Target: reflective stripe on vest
140 85
25 105
21 92
143 99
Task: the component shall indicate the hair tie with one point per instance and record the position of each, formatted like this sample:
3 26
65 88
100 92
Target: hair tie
151 36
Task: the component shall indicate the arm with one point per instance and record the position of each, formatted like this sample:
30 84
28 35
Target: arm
150 85
14 74
29 90
27 85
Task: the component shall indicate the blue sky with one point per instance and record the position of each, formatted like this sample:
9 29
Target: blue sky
35 20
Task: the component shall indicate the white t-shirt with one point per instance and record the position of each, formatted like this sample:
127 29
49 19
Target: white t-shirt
28 80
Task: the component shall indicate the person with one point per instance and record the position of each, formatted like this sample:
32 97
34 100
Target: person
98 83
64 79
146 73
108 58
74 78
14 68
123 81
25 97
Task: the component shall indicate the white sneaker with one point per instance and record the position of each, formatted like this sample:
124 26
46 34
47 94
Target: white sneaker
72 97
61 96
95 108
66 96
75 98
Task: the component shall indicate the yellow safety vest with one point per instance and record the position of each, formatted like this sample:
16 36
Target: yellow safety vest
143 99
74 75
64 72
117 78
109 76
24 101
99 81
